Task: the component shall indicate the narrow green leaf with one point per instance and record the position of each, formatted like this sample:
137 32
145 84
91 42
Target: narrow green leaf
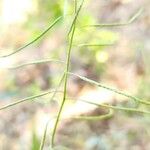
116 24
95 45
26 99
34 40
111 89
119 108
36 62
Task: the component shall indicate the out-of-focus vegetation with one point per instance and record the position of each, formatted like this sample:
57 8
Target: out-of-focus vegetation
115 56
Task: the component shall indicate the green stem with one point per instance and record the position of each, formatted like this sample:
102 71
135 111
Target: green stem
56 89
65 89
75 18
72 31
44 137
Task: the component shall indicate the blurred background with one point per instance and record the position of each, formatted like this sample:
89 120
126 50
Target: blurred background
124 65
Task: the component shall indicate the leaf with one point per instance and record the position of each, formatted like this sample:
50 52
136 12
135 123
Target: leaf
117 24
26 99
111 89
36 62
34 40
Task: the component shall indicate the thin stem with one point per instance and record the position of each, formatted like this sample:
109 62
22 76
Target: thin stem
34 40
118 108
36 62
26 99
65 90
72 29
95 118
95 45
111 89
116 24
56 89
75 18
44 137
